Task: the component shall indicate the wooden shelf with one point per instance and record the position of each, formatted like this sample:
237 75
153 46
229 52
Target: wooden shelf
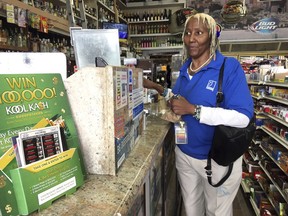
13 48
155 4
59 25
152 35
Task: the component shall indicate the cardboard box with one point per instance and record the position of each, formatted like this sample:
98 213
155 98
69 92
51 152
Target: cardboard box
30 101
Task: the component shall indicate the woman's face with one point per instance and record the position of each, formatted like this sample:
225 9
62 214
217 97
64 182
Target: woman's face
196 38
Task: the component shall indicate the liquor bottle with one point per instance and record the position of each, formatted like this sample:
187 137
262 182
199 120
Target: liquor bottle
137 17
11 40
155 15
169 15
24 39
165 15
161 15
158 14
19 39
1 36
151 16
144 18
148 16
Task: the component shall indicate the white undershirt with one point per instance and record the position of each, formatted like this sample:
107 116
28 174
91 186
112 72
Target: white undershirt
217 115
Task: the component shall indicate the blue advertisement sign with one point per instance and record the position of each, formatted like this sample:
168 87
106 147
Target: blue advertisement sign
265 26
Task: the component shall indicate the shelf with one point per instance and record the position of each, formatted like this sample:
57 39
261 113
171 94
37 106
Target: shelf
155 4
279 84
60 25
254 157
151 21
91 17
274 183
161 48
279 120
282 101
122 19
121 4
151 35
276 84
267 153
245 188
12 48
254 206
269 198
279 139
100 4
252 82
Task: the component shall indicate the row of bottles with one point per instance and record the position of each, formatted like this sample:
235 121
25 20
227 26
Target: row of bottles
108 3
157 42
105 16
12 38
48 6
38 44
91 10
151 15
149 29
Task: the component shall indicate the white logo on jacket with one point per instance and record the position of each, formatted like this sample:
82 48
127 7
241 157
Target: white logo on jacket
211 85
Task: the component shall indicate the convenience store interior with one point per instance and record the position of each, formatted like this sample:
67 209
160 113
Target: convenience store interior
150 39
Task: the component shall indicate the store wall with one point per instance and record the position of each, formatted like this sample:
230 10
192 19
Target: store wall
257 10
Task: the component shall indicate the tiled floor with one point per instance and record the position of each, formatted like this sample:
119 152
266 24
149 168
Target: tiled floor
242 205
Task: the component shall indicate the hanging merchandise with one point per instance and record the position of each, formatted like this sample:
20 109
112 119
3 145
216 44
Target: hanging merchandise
22 17
43 24
178 18
234 11
10 13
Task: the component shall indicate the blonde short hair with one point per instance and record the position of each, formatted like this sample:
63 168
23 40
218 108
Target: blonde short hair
211 24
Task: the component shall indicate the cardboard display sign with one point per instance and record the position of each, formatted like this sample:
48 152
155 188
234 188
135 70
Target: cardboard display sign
29 102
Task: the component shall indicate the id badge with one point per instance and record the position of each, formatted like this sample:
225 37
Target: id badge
180 132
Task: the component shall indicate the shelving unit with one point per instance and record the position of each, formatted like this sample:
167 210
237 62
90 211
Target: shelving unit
154 36
60 25
57 39
278 145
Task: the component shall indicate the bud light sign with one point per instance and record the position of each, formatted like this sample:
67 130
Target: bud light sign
265 26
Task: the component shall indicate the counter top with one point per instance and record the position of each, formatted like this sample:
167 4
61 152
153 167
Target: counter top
105 195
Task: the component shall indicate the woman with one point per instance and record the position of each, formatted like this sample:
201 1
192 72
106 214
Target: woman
197 86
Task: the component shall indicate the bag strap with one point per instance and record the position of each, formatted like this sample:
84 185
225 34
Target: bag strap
220 95
209 173
220 98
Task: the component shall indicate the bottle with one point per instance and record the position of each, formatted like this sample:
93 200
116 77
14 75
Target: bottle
137 17
11 38
165 15
24 40
169 15
151 16
144 18
19 39
161 15
155 15
1 36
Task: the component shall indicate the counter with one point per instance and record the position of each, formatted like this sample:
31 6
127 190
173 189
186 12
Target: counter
105 195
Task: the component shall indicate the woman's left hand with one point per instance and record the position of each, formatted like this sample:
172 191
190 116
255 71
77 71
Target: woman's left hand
181 106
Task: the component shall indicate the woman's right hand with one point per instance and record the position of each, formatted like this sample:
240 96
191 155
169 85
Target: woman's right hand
181 106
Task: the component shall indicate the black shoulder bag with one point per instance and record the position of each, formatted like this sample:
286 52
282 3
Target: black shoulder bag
229 143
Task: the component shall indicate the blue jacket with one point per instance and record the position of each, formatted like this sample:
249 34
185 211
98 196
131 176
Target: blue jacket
202 90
